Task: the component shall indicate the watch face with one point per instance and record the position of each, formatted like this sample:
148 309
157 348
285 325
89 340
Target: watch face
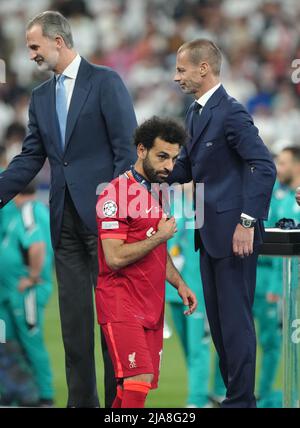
247 222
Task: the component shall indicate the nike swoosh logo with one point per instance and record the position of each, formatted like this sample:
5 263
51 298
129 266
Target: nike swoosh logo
147 211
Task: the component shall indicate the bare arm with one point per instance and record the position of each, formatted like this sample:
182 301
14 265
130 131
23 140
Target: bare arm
36 257
175 279
119 254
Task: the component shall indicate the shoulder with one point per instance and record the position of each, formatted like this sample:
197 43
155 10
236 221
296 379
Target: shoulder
232 104
104 188
236 113
41 211
114 196
43 87
101 72
28 216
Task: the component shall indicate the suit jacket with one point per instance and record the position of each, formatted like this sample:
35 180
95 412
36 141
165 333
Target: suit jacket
226 153
98 145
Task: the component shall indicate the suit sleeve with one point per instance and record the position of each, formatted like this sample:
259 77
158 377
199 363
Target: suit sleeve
117 108
25 166
259 172
182 172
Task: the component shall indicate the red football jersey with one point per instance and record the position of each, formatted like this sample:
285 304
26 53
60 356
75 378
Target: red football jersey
127 210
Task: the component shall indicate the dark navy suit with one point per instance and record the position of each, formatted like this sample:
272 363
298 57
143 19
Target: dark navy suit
98 147
226 153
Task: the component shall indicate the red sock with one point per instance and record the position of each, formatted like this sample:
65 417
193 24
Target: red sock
118 399
134 394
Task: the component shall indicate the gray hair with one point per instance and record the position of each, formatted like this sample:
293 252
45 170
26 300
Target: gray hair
53 24
204 50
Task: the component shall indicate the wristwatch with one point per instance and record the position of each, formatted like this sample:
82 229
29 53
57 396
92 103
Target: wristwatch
247 223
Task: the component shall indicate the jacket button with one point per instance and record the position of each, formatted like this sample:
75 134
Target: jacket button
66 163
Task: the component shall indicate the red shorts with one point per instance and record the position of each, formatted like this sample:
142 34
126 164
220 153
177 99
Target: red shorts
134 350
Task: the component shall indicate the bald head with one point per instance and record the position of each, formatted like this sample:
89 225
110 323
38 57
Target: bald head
203 50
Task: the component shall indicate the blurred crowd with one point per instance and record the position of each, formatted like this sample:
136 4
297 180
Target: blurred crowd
139 39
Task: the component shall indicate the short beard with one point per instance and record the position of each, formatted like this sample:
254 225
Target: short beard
150 172
48 65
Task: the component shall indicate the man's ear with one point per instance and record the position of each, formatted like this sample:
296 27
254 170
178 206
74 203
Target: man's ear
141 151
203 69
59 41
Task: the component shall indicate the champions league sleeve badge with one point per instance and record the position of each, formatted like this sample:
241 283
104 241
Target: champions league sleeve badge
110 209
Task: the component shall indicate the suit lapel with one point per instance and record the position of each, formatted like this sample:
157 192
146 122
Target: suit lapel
80 93
205 116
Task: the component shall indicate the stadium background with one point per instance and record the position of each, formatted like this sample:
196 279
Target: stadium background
139 39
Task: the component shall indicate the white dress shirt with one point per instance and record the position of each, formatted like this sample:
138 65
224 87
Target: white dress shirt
203 100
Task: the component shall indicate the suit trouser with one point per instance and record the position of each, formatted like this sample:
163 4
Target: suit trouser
77 269
229 287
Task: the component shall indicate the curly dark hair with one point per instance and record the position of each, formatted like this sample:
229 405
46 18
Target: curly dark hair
167 129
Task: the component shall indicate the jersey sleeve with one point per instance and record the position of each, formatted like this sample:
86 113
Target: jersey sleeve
112 218
32 232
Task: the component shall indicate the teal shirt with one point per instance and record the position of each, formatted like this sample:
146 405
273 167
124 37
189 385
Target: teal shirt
6 214
28 225
184 240
283 205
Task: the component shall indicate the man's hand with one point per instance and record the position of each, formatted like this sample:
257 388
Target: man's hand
24 283
166 228
189 299
298 195
272 298
242 242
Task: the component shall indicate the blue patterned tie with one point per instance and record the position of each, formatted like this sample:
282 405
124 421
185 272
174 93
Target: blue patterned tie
61 107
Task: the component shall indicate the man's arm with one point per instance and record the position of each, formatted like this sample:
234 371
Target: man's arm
117 108
298 195
36 257
182 172
259 174
175 279
260 171
24 167
119 254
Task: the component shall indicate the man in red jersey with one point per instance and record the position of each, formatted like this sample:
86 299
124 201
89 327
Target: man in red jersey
134 264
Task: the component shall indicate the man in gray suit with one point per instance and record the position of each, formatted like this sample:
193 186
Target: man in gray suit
82 120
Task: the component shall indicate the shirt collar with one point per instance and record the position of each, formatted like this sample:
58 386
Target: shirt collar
72 70
203 100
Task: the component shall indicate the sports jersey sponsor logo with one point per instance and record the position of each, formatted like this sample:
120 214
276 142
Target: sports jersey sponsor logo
131 359
110 225
110 208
